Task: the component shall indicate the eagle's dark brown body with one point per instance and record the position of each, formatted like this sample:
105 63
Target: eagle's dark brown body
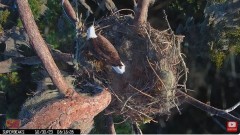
106 50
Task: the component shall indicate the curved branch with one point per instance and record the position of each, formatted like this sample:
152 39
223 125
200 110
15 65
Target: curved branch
207 108
41 48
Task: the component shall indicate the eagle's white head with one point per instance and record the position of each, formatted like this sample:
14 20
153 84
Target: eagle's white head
91 32
119 69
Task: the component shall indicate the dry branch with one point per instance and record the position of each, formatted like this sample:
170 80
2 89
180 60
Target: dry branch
207 108
232 108
41 48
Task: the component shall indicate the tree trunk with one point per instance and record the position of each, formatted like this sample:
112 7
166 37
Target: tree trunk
41 48
76 112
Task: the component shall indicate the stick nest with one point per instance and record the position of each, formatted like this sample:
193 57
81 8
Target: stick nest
154 68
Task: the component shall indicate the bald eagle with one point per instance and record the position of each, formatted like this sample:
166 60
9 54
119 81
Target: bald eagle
105 50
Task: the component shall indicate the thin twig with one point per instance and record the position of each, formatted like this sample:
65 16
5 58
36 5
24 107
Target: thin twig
169 26
136 128
157 74
179 52
124 9
177 107
117 123
141 91
149 38
140 112
125 103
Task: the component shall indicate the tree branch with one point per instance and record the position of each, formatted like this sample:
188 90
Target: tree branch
233 107
64 112
207 108
41 48
141 12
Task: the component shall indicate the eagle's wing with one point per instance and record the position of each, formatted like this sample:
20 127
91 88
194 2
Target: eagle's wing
107 51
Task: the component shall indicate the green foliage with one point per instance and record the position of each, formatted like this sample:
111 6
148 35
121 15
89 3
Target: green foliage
36 7
218 58
229 37
9 79
9 84
233 35
58 37
53 12
1 29
124 128
53 39
182 9
47 14
3 18
19 23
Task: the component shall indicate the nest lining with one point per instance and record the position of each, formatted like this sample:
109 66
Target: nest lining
154 67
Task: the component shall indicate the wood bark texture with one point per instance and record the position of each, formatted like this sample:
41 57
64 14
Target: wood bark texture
142 12
77 111
41 48
66 112
69 10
